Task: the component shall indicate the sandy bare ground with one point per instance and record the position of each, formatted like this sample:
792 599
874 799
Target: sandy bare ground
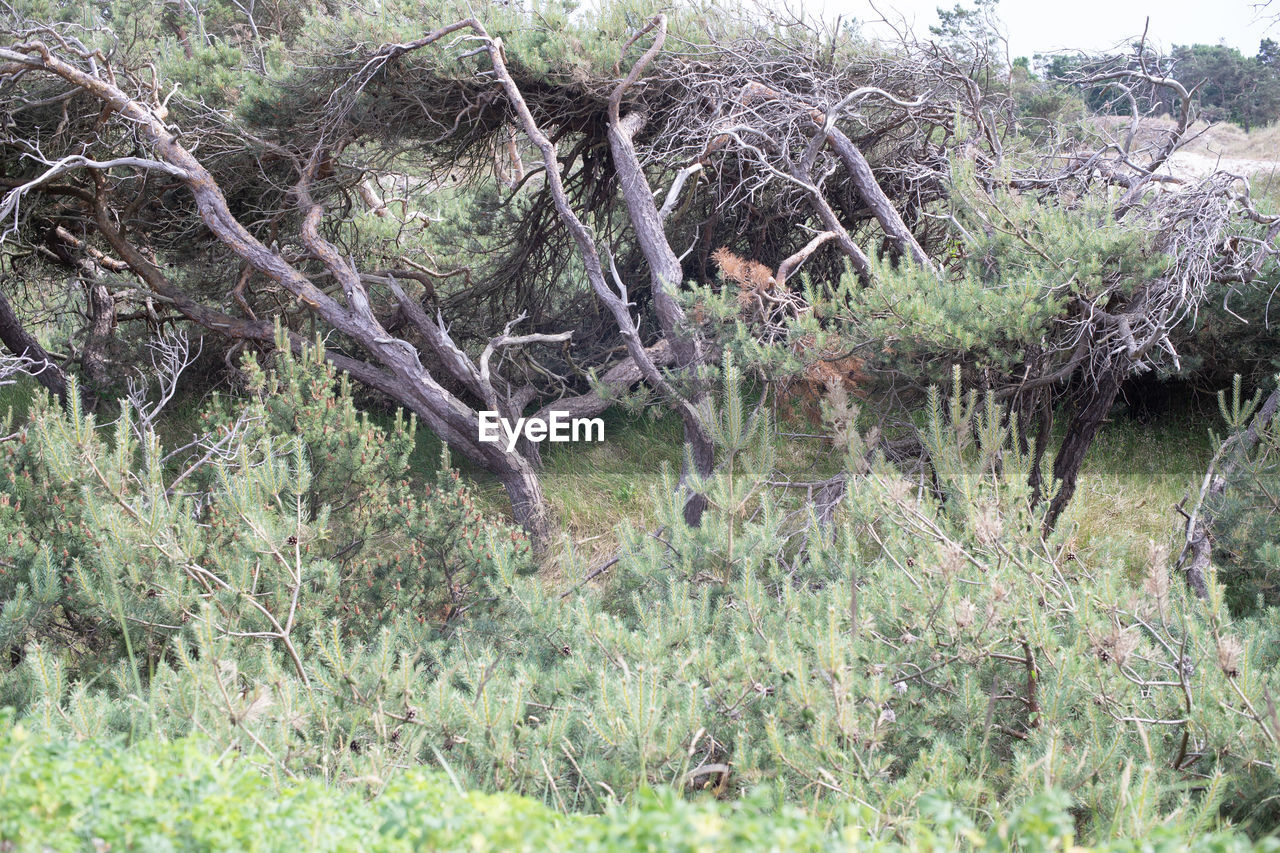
1196 165
1221 147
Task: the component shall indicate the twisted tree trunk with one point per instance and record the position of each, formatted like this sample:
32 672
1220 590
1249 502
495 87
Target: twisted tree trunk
1081 430
102 323
398 372
22 343
1197 550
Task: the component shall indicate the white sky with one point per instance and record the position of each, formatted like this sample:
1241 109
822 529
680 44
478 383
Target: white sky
1089 24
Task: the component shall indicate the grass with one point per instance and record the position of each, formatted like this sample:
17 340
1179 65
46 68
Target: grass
16 398
593 488
1230 140
1131 480
596 488
1133 477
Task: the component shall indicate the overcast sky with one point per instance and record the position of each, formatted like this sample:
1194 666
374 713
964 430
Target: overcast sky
1090 24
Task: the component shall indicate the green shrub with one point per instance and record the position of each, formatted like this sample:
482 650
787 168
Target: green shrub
124 562
914 639
63 795
1245 511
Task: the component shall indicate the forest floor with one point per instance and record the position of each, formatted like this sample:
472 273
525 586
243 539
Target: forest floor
1133 477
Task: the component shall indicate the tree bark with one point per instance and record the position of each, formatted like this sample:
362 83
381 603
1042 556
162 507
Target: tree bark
701 450
665 271
399 372
22 343
616 380
874 197
1081 429
102 322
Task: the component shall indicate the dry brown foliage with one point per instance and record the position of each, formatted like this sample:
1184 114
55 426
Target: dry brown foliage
762 300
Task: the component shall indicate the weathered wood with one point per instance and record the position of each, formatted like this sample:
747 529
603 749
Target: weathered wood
665 271
22 343
584 240
864 180
94 359
616 380
399 372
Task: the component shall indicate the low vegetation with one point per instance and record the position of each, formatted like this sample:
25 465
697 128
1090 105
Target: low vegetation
916 524
69 796
911 650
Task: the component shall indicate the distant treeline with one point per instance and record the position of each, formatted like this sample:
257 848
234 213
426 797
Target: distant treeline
1230 85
